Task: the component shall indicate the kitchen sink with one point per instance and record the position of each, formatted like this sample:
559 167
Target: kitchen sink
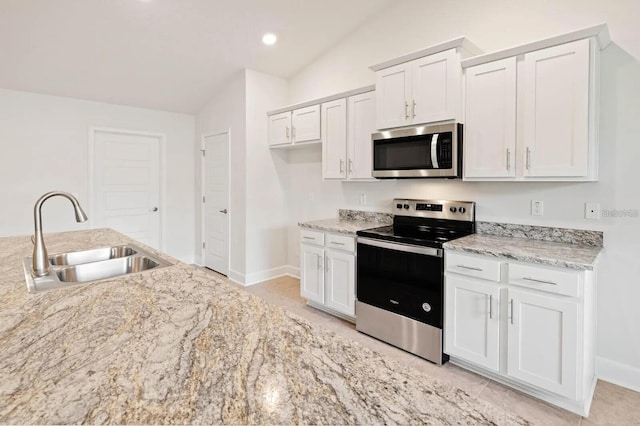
87 266
105 269
86 256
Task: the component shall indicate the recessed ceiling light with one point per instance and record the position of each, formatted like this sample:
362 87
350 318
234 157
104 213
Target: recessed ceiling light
269 39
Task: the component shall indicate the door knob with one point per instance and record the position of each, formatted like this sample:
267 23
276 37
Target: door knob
155 209
223 211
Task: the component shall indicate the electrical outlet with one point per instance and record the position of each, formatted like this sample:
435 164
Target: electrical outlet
592 211
537 208
363 199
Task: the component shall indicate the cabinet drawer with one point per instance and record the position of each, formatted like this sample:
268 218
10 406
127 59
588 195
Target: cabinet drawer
551 280
472 266
340 242
312 237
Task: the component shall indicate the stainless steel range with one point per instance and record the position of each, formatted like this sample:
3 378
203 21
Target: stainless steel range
400 274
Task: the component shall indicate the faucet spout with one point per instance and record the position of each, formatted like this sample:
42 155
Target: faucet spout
40 257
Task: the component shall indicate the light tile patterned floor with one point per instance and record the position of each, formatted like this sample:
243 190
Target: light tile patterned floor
612 405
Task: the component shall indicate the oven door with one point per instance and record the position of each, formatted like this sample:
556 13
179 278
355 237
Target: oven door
404 279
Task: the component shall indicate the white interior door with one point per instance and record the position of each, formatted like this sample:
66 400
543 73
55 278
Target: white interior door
126 184
216 203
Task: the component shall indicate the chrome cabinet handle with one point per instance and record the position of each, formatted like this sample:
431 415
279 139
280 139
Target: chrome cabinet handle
308 238
511 311
293 133
539 281
338 244
508 159
350 166
153 209
413 109
341 166
406 110
223 211
319 263
528 165
469 267
490 306
287 127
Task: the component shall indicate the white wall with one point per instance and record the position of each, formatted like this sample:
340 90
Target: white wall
226 112
44 146
258 211
267 177
494 25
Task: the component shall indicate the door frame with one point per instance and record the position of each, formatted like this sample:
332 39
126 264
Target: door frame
203 215
162 170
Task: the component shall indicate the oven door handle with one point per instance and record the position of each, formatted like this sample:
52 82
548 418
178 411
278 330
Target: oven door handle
429 251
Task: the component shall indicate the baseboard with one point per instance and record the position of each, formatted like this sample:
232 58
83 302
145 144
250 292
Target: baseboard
269 274
236 277
618 373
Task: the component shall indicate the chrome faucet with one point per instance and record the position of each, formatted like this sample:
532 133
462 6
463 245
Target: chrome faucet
40 257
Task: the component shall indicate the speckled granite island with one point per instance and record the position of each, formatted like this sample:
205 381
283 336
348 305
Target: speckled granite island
177 345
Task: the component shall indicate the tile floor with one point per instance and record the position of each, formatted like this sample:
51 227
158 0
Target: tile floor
612 405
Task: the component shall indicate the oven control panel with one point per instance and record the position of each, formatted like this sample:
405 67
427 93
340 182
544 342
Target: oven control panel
436 209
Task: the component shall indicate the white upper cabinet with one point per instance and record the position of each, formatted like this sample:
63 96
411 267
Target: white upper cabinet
422 87
531 112
280 129
555 103
360 125
305 124
334 139
300 125
436 88
490 117
393 89
347 125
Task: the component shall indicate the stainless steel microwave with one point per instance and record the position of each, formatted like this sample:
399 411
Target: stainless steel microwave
433 151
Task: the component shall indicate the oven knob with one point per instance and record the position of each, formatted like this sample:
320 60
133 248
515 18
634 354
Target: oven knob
406 206
426 307
398 206
462 210
452 209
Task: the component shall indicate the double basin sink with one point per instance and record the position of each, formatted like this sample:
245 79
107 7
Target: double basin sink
91 265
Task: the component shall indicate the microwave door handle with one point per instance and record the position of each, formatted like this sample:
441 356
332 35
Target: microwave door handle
434 151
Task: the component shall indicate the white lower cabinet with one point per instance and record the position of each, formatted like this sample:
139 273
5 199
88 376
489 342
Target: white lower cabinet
542 341
473 322
327 272
528 326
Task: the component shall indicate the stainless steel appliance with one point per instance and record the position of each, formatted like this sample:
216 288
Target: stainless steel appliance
418 152
400 274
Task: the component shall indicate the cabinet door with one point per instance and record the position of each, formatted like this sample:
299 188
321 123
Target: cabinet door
556 110
334 139
312 273
340 282
472 323
490 120
393 92
305 124
361 124
436 86
542 341
280 128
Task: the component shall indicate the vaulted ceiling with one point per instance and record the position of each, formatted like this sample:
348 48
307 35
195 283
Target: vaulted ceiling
163 54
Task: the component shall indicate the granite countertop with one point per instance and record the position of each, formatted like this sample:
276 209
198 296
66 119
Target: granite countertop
342 226
550 253
177 345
